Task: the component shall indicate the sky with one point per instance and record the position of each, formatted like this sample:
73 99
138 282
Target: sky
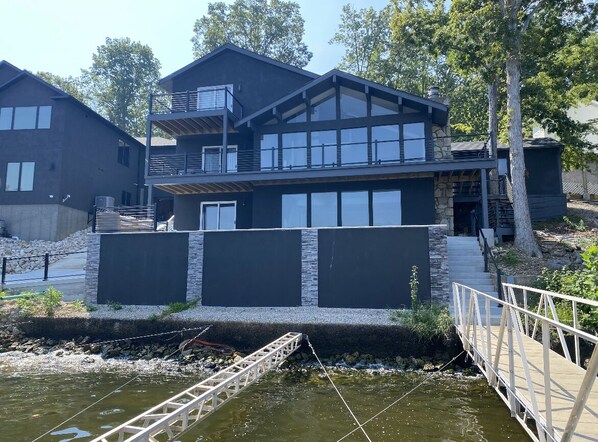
60 36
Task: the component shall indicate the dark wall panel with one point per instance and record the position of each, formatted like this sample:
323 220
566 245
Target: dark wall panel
187 209
371 267
543 207
252 268
543 171
143 268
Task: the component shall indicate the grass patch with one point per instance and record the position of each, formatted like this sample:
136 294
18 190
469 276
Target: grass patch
509 258
114 305
175 307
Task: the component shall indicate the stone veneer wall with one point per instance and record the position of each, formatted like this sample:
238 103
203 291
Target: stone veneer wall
442 144
92 267
439 276
309 267
195 270
443 201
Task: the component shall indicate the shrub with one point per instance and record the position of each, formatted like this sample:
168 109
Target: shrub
114 305
426 320
27 306
50 300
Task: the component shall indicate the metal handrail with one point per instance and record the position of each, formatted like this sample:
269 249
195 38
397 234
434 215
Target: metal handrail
189 101
476 333
489 257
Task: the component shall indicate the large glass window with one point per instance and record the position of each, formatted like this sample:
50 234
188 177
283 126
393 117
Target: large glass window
19 176
354 146
25 117
324 106
385 144
386 207
218 215
354 208
414 142
294 150
323 148
269 151
212 159
44 116
353 103
294 210
324 209
296 115
213 97
384 107
5 118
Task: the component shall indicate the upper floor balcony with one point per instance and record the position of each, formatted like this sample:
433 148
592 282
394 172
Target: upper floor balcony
322 160
202 111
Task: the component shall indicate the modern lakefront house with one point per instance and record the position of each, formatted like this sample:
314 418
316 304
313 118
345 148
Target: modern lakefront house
57 156
291 188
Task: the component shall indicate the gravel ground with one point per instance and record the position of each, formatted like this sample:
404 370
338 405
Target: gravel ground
266 315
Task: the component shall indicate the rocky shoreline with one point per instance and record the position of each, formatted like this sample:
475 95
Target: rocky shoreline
173 354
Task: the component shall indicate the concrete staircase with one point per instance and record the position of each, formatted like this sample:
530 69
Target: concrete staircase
466 266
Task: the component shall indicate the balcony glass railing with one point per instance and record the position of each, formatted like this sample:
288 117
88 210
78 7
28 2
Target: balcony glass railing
358 154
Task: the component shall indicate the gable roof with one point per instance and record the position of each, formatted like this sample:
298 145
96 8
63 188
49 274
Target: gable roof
6 66
60 94
409 99
166 82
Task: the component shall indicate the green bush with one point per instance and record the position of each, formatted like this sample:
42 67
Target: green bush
580 283
50 300
426 320
28 305
114 305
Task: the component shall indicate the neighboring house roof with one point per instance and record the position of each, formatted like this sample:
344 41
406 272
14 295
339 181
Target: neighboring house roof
158 141
60 94
167 81
528 143
410 99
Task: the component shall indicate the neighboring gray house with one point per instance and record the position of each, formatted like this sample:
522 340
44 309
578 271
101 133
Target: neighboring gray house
56 156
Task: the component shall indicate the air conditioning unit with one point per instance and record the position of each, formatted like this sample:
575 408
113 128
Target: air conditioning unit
104 202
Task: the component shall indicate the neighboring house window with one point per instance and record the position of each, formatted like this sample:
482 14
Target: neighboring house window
355 208
212 159
294 210
502 166
269 152
324 212
213 97
324 106
123 153
386 208
414 147
385 144
294 150
125 198
19 177
323 148
354 146
353 103
221 215
25 117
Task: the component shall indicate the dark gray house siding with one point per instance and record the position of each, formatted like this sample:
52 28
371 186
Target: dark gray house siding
76 159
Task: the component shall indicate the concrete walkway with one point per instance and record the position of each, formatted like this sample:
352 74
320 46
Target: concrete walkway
66 275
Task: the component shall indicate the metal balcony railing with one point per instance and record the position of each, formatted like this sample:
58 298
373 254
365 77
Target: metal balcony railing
195 101
320 156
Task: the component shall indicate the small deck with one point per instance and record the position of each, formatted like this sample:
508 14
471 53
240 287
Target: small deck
551 394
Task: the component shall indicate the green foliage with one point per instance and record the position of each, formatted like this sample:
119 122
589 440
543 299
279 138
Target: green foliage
121 77
273 28
114 305
28 305
580 283
175 307
91 307
510 258
580 226
71 85
78 306
51 300
427 321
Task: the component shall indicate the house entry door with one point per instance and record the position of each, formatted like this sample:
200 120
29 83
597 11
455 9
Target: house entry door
219 215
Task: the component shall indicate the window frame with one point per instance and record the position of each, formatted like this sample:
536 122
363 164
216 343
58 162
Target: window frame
218 204
20 177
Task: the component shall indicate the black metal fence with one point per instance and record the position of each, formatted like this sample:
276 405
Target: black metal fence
10 267
124 219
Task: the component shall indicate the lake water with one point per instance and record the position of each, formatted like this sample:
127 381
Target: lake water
295 405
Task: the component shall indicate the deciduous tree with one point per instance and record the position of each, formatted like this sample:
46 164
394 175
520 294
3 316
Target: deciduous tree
273 28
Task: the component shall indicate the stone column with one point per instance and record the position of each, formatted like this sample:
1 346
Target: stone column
309 267
443 201
92 267
195 267
439 275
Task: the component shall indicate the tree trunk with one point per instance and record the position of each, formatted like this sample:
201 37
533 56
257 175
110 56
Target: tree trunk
493 130
524 235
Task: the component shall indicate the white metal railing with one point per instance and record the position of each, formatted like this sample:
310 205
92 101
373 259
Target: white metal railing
175 416
525 311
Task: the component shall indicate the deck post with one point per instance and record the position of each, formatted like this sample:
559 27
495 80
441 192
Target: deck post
225 133
484 185
148 146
